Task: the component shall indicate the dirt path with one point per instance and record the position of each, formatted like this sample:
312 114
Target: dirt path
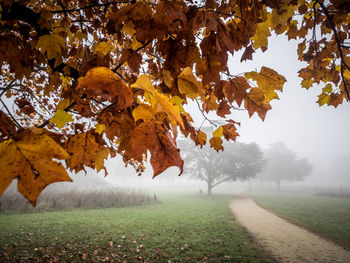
286 242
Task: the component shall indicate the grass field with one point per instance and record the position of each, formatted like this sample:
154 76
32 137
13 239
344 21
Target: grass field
182 229
327 216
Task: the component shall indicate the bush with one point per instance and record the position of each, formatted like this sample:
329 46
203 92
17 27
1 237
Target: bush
68 199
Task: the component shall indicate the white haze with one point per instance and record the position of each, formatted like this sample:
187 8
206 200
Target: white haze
320 134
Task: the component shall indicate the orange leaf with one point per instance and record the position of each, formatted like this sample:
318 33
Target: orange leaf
103 83
216 143
30 159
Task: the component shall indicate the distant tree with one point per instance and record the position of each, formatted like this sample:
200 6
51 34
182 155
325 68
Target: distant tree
284 165
239 161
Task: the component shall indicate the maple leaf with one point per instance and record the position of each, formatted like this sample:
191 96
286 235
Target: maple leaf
154 137
143 112
248 54
261 35
159 101
100 157
188 84
100 128
268 81
52 44
255 102
104 48
7 127
218 132
82 148
103 83
61 118
230 131
235 89
200 139
30 159
216 143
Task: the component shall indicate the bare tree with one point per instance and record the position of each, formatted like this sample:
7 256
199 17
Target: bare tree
239 161
284 165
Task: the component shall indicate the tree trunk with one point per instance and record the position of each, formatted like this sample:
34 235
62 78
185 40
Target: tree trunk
209 188
278 184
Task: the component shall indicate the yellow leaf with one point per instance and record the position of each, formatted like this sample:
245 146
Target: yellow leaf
218 132
307 83
144 82
216 143
52 44
346 74
159 101
61 118
167 78
268 81
323 98
100 158
176 100
104 48
338 68
129 28
135 44
64 104
30 159
328 88
144 112
188 84
173 111
261 35
100 128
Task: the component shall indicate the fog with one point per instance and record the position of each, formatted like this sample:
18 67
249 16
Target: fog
319 134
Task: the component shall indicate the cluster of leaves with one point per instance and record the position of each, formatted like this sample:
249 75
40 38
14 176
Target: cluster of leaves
90 79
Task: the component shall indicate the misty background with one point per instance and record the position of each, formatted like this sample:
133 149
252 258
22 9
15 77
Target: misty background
319 134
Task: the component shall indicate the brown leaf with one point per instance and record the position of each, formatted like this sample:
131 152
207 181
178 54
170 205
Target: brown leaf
230 131
103 84
224 109
7 126
154 137
133 59
248 53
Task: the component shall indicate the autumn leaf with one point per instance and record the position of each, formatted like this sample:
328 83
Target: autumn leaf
82 148
255 102
216 143
152 136
102 83
159 101
201 138
188 84
52 44
261 35
104 48
218 132
230 131
61 118
268 81
100 157
143 112
30 159
100 128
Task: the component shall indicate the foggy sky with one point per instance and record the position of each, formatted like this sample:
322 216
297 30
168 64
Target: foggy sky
317 133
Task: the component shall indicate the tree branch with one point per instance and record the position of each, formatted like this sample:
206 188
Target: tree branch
339 45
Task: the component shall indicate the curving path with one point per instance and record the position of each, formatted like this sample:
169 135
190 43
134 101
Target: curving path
285 241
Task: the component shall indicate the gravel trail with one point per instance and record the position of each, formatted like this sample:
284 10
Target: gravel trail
285 241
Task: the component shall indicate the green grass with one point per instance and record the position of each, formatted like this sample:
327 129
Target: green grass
182 229
326 216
